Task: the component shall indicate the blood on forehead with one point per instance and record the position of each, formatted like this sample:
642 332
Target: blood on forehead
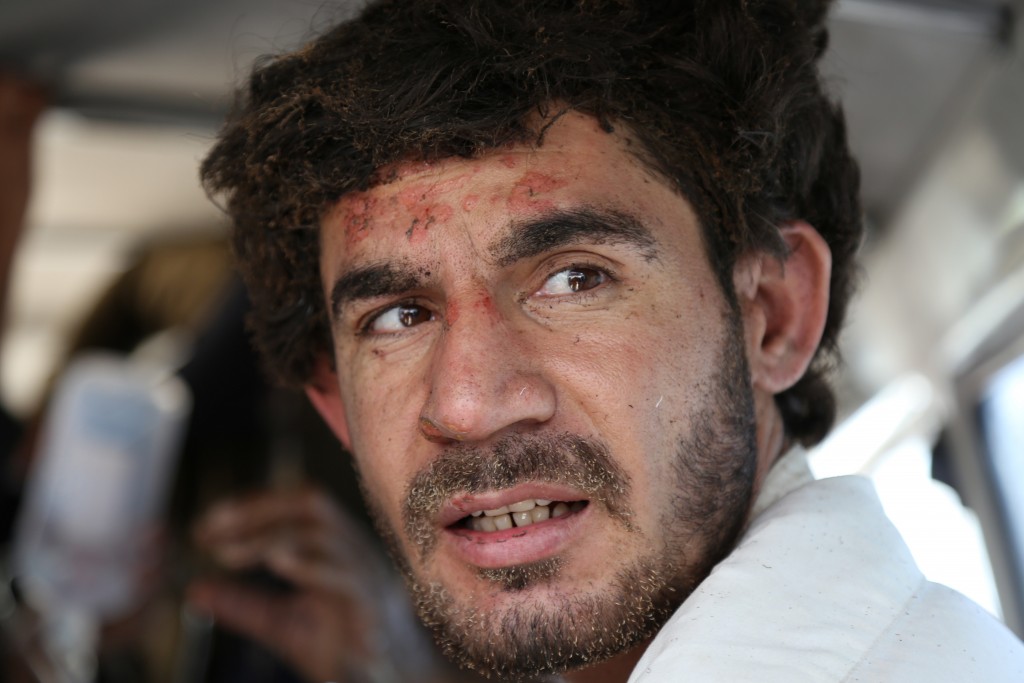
427 195
527 191
355 214
412 209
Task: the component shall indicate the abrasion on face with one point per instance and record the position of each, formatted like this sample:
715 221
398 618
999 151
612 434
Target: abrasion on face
525 194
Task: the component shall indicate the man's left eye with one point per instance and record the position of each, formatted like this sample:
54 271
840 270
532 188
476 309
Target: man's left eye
398 318
573 280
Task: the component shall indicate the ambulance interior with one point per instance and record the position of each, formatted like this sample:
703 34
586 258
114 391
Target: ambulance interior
932 385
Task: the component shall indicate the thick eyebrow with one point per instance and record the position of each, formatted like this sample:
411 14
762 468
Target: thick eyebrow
560 228
372 281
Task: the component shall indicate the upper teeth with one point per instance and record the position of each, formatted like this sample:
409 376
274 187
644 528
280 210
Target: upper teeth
523 513
521 506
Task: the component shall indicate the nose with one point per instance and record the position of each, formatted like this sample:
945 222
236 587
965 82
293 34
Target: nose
484 380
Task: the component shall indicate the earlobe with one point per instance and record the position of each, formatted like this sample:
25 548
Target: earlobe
784 305
324 394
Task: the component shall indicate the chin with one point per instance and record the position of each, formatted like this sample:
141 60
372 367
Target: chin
531 620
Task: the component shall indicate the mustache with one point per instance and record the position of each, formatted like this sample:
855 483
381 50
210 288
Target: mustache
568 459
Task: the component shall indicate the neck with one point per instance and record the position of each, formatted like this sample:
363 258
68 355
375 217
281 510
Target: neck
614 670
771 437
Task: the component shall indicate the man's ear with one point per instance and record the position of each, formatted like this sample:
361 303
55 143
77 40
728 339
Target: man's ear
324 394
784 305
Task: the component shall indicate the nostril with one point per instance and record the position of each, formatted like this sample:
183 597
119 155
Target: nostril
438 433
431 432
429 428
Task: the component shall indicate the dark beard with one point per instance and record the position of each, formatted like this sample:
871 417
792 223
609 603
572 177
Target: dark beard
714 474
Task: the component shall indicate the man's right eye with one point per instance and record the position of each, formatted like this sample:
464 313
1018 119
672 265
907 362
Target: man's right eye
398 318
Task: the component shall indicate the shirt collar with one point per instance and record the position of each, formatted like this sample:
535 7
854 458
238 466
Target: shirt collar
789 473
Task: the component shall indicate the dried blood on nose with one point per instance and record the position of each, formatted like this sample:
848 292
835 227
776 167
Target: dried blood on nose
451 313
485 304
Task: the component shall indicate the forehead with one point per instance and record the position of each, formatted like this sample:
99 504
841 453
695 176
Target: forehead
423 205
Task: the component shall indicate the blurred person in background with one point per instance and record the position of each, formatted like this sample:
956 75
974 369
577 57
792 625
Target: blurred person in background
284 563
20 107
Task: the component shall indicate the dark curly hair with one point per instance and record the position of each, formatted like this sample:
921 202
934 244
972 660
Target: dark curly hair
724 96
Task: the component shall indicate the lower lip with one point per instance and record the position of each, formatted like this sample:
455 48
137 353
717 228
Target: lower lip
518 545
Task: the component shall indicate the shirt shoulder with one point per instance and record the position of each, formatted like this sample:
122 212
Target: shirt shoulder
822 588
943 636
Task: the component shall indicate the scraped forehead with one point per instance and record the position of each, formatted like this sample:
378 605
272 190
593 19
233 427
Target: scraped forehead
414 198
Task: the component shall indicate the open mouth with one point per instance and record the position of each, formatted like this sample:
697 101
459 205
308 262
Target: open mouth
522 513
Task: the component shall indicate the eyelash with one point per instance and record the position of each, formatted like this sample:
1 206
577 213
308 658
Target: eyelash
365 325
363 328
586 265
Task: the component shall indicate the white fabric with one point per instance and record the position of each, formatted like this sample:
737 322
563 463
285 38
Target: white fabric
822 588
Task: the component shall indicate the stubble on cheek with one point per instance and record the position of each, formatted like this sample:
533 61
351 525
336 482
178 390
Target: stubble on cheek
714 469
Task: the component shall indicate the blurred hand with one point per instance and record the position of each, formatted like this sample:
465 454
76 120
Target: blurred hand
347 614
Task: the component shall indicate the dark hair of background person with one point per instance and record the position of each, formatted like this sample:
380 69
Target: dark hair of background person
239 428
238 419
723 95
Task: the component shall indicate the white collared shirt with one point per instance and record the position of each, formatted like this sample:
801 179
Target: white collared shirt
822 588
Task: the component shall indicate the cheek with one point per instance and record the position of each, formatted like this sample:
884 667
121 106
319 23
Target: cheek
621 395
383 426
610 376
640 383
661 346
382 475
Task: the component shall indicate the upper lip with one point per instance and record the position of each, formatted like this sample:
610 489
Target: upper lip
463 505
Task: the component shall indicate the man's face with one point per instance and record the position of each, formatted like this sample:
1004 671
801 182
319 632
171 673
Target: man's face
540 330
